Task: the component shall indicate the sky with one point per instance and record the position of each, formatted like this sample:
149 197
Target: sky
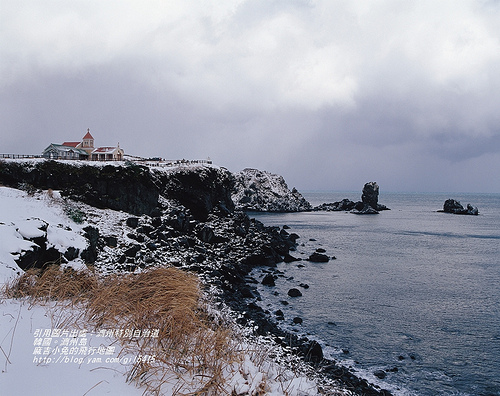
330 94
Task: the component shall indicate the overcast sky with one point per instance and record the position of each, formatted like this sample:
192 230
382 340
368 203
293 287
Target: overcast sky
330 94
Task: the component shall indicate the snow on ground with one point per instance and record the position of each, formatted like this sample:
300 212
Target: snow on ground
25 370
38 356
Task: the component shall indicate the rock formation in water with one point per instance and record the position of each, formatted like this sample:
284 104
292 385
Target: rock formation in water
369 200
344 205
370 196
261 191
368 204
455 207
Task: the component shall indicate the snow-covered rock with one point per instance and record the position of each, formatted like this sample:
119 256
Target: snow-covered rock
30 223
134 188
263 191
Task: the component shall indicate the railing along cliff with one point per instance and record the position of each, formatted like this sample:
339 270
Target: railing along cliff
149 161
18 156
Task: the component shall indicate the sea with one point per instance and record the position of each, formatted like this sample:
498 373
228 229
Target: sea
411 291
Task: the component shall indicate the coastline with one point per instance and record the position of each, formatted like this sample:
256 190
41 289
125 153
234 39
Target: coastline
391 299
308 350
194 229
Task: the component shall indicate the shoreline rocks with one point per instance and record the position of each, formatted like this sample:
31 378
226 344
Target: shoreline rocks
318 257
340 206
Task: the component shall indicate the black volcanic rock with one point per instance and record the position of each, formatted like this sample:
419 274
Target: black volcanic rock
206 233
131 188
126 188
89 255
370 194
379 374
132 251
312 351
318 258
369 197
452 206
132 222
111 241
368 204
344 205
200 189
455 207
288 258
294 292
268 280
363 208
39 256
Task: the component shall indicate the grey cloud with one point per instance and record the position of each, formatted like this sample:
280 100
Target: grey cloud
329 95
456 147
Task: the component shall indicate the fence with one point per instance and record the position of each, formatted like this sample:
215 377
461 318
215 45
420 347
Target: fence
17 156
162 163
148 161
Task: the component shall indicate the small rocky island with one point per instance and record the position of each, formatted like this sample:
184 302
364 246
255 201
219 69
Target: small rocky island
368 204
455 207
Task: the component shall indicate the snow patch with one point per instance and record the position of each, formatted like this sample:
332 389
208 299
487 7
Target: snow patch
31 228
61 239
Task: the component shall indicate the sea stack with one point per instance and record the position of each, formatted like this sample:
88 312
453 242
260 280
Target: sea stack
369 200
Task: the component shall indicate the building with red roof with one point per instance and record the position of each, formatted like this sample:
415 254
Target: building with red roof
83 150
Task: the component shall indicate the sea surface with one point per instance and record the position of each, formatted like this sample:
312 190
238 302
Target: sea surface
412 291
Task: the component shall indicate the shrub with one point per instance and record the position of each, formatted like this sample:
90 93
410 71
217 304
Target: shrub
75 214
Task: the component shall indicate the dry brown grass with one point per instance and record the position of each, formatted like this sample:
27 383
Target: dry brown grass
41 286
187 344
191 351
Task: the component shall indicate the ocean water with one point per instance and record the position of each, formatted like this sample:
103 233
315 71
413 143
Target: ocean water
412 291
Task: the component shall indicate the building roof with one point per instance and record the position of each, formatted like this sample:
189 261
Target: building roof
105 150
61 147
88 135
71 144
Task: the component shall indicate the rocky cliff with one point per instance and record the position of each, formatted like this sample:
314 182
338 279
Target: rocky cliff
262 191
131 188
136 217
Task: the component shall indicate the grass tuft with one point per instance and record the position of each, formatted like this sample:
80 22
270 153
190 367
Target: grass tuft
53 284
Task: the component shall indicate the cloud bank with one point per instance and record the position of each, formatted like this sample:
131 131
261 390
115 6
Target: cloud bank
330 94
